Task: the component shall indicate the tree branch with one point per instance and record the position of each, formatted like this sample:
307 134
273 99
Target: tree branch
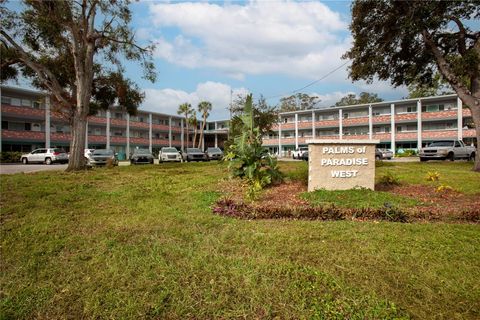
462 46
43 73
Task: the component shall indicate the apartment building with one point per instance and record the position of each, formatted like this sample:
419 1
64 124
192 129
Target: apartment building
29 121
402 124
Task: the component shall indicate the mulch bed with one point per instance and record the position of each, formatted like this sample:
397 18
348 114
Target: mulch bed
283 201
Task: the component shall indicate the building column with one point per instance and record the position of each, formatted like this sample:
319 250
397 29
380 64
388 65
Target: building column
419 124
340 124
127 150
86 135
47 122
393 129
313 124
150 134
279 137
182 134
216 138
460 118
170 132
370 123
0 118
296 131
108 129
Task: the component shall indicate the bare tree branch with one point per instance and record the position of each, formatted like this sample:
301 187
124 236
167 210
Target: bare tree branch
43 73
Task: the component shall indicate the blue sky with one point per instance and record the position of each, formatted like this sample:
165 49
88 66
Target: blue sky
205 49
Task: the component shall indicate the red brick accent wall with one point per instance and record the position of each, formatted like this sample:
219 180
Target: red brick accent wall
23 111
406 136
305 125
23 135
466 112
288 126
64 137
327 137
327 123
97 120
160 142
355 121
359 137
139 141
114 139
406 117
270 142
97 139
161 127
137 124
469 133
288 141
118 122
382 136
381 119
439 115
439 134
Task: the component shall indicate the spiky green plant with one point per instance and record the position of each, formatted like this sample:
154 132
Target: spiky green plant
248 159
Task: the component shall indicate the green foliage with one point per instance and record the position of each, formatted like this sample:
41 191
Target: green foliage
364 98
389 179
10 156
438 86
248 159
407 153
432 176
298 101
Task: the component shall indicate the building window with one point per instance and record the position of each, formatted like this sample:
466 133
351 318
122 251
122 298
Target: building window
28 126
4 125
6 100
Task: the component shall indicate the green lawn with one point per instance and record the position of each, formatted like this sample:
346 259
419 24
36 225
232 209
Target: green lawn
141 242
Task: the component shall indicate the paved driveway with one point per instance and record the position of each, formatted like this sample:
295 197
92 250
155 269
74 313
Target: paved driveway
11 168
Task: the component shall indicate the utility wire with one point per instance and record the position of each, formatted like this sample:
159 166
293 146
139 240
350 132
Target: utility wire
310 84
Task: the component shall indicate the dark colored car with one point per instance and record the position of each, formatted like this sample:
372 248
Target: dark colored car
101 157
140 156
304 156
194 154
214 153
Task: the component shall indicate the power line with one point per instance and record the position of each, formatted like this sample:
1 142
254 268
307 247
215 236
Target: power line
310 84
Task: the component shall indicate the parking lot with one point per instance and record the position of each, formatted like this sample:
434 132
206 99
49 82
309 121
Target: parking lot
11 168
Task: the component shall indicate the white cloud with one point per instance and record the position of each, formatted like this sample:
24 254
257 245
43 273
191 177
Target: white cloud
167 100
303 39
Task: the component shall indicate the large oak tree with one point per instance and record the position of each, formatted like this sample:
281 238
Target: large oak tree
409 42
74 50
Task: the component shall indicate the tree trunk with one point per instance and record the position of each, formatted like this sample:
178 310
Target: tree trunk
194 136
476 120
186 135
200 140
77 143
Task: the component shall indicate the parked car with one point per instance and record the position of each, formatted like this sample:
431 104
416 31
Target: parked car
194 154
87 152
169 154
45 155
381 154
101 157
214 153
305 156
141 156
447 149
297 154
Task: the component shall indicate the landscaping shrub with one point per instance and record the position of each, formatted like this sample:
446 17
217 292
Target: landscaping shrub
389 179
432 176
407 153
248 159
10 156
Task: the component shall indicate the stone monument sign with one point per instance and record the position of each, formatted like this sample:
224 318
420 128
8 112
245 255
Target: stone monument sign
341 164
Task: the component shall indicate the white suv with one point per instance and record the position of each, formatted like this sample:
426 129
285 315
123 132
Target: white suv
297 154
47 156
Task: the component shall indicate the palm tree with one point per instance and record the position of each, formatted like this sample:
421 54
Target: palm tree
204 108
194 123
185 109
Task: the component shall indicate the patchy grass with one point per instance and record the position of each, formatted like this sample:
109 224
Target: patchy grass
141 242
358 198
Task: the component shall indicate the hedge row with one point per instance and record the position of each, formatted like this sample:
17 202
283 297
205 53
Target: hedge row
10 156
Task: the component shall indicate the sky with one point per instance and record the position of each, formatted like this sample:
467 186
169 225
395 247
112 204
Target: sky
216 50
206 50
